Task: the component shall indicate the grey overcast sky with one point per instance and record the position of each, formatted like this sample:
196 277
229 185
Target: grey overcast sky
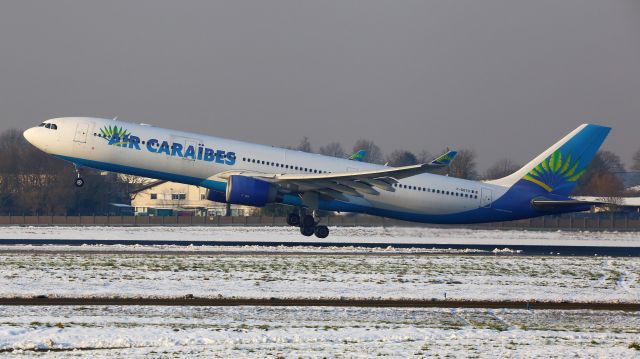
506 78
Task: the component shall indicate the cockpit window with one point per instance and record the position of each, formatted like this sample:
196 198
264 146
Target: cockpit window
48 125
42 124
54 126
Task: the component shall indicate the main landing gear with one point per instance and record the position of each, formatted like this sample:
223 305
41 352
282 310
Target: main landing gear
308 224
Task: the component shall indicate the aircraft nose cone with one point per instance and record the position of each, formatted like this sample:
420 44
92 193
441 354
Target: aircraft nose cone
28 135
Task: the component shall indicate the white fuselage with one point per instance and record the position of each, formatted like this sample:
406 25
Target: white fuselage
81 140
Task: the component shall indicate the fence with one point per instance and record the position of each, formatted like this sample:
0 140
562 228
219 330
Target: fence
595 221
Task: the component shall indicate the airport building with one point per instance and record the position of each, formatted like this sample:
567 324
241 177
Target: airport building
162 198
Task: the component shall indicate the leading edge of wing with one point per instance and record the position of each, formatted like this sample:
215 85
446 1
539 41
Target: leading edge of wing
393 172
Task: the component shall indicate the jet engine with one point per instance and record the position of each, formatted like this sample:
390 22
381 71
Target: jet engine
250 191
216 196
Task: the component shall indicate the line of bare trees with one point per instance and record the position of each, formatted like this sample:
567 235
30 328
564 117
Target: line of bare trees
31 183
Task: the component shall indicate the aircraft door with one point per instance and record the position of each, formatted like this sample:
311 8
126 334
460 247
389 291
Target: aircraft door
486 197
81 132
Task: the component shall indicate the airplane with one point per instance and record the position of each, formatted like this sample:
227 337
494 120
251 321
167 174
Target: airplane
250 174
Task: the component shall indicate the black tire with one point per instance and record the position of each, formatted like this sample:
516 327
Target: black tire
79 182
293 219
308 221
322 231
307 231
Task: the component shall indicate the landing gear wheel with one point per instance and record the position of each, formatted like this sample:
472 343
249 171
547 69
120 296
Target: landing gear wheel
308 221
321 231
293 219
79 182
307 231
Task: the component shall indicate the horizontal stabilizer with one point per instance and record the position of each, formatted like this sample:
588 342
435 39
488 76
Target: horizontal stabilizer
544 204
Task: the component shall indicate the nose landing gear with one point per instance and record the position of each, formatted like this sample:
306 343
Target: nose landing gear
308 224
79 180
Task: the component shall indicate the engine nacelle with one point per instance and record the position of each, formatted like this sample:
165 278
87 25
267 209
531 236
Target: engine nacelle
250 191
216 196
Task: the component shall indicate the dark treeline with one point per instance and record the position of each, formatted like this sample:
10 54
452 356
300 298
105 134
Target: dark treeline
32 182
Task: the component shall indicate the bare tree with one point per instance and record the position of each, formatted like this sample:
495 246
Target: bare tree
600 178
501 168
636 161
333 149
304 145
399 158
425 156
373 152
464 165
33 182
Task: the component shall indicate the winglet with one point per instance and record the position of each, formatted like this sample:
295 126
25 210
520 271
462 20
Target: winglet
445 159
358 156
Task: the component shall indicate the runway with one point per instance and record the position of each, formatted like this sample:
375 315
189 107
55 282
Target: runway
477 249
312 302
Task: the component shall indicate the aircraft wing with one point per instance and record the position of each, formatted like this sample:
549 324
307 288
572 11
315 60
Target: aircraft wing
337 185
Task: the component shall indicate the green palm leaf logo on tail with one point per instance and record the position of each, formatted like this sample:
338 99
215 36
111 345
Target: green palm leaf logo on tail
555 171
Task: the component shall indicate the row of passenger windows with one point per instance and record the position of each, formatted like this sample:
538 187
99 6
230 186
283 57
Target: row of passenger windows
281 165
51 126
474 193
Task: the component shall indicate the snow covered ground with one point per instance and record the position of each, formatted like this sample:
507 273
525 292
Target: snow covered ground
265 272
250 332
338 235
280 275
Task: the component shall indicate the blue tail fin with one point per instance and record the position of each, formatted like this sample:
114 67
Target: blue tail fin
557 170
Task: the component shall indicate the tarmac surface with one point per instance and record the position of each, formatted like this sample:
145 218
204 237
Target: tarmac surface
302 302
486 249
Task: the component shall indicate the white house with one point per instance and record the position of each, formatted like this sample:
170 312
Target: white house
179 199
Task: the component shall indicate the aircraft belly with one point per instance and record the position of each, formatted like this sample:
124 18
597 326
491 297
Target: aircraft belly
420 203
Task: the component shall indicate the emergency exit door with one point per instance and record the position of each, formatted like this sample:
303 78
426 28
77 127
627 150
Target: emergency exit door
486 197
81 132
